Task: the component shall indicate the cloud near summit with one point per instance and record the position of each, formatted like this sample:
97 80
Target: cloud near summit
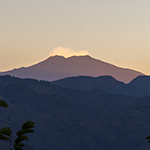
67 52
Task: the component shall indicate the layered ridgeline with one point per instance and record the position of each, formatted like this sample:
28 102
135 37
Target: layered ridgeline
58 67
140 86
75 119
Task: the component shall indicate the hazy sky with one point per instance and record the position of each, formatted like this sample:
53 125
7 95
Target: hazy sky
115 31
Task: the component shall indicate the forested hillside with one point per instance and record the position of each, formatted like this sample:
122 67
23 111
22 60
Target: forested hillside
70 119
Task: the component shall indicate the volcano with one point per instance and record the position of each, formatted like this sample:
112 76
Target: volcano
58 67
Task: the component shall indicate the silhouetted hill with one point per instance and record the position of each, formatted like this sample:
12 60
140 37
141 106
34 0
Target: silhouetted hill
105 83
141 80
58 67
140 86
74 119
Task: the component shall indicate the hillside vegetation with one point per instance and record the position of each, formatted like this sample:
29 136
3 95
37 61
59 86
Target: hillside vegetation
75 119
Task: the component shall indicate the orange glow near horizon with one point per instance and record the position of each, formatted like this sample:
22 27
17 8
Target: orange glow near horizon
116 32
68 52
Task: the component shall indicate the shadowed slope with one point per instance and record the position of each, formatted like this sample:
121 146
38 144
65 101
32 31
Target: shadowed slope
73 119
140 86
105 83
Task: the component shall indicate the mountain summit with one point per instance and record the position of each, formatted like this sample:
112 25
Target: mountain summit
58 67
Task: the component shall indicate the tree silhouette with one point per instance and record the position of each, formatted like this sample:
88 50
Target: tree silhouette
148 138
5 133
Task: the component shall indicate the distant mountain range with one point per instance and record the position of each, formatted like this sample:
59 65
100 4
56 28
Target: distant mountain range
70 119
140 86
58 67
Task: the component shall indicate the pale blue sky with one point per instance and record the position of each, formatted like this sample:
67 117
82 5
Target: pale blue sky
115 31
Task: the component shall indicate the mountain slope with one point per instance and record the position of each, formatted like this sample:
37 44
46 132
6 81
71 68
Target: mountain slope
140 86
73 119
105 83
58 67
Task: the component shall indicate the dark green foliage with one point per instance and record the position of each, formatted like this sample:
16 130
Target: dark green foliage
21 138
3 104
20 132
19 146
3 137
148 138
26 128
28 125
5 133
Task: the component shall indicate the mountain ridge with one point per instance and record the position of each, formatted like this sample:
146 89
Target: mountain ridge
74 119
139 86
58 67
